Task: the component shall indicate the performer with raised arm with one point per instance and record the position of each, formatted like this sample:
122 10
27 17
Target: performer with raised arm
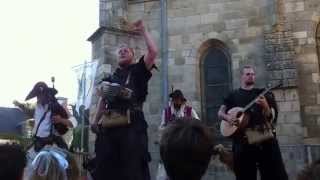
122 143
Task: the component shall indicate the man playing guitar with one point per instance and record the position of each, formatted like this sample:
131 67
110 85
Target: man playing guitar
264 155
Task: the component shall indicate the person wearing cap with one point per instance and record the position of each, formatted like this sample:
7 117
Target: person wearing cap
122 152
44 130
177 108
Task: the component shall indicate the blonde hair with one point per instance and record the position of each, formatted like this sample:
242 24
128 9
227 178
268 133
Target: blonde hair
48 167
52 171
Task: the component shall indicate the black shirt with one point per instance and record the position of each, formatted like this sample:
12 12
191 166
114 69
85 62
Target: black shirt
138 82
242 97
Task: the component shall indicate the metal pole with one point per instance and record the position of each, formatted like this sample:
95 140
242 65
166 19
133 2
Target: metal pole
83 101
82 114
164 51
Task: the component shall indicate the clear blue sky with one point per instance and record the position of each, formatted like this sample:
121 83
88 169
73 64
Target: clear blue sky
40 39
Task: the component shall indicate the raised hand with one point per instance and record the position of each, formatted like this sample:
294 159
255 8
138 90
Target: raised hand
16 103
139 26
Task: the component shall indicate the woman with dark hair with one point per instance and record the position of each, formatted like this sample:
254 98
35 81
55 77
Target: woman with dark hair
186 148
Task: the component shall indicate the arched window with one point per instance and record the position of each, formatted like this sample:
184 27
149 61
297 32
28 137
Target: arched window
216 81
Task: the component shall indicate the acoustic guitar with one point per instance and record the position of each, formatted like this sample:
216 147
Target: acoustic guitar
227 129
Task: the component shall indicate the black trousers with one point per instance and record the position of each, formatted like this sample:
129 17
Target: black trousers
266 157
122 154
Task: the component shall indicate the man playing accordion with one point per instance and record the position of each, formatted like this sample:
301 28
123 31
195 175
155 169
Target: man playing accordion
122 143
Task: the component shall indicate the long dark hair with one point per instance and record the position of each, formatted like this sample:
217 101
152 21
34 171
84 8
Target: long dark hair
57 109
273 104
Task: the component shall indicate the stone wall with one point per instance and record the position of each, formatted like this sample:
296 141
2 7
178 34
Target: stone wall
238 24
289 126
111 11
279 57
304 16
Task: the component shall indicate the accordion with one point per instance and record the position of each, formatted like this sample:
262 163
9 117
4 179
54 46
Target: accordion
110 91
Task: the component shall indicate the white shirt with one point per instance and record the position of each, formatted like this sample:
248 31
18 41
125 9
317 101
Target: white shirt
68 137
177 113
45 126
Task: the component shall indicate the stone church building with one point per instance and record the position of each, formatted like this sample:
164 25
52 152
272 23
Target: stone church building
204 43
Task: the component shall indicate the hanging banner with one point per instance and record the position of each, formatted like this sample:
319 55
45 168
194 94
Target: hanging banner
85 76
